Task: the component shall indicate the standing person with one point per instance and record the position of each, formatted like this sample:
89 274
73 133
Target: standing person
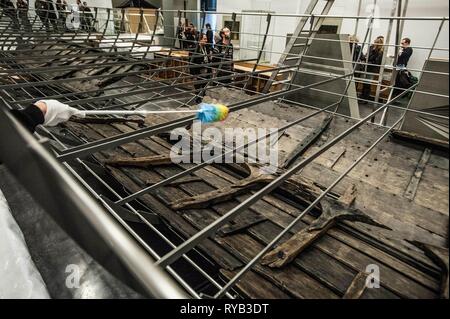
199 57
87 12
52 16
22 8
42 12
355 48
404 54
358 58
218 36
61 7
375 57
80 13
81 9
180 33
403 78
224 53
10 12
186 32
209 38
191 36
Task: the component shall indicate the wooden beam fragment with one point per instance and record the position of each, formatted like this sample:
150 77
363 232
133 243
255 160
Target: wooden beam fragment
338 157
421 140
357 287
143 161
332 212
241 224
223 194
306 142
440 256
411 189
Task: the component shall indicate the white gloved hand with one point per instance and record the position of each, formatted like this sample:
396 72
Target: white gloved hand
58 112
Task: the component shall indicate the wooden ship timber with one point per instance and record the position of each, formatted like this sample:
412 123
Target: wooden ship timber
390 211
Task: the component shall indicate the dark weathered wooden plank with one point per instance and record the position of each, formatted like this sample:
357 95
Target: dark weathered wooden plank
200 218
426 141
378 293
292 280
432 191
387 259
143 161
388 209
307 142
361 246
134 151
256 287
319 265
292 248
223 258
440 256
332 212
357 287
223 194
241 224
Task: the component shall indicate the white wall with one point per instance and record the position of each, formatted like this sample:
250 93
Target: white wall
422 33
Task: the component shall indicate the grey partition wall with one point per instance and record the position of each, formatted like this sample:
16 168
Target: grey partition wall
431 97
327 57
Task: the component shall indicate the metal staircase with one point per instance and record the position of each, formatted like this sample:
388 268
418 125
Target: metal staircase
297 46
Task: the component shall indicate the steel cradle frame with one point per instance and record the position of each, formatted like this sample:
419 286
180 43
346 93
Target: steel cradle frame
138 259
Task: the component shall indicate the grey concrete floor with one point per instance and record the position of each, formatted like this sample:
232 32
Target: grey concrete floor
54 252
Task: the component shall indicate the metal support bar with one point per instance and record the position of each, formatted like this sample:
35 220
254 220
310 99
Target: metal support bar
212 228
128 137
77 213
260 53
244 270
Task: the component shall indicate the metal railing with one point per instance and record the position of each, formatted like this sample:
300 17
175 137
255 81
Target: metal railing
24 46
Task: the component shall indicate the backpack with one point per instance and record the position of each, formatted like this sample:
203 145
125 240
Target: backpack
405 79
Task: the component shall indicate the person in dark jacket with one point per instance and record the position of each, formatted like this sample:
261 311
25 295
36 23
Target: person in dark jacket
197 59
22 8
52 16
191 36
87 16
10 11
358 57
42 12
224 53
404 53
61 7
355 48
180 34
375 57
45 112
209 38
